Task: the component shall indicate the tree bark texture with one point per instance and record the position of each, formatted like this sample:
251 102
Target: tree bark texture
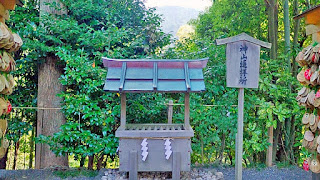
31 144
272 7
3 161
295 37
50 117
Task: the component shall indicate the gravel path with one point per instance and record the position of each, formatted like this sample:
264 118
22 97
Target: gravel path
272 173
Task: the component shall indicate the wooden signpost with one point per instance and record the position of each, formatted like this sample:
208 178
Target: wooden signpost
243 62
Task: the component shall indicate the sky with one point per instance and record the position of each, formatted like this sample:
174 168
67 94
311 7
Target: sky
195 4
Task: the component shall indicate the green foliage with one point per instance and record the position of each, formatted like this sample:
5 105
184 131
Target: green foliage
90 30
126 29
272 104
80 39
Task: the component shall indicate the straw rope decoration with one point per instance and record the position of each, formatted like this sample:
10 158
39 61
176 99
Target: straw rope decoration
9 42
309 97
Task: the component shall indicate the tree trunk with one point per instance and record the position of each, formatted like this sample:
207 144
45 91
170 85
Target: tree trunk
223 142
273 27
49 117
3 161
295 37
31 144
90 162
276 141
49 120
16 149
99 161
272 6
82 159
287 123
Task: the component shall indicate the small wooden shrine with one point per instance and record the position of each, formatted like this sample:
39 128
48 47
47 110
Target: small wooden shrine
309 95
154 147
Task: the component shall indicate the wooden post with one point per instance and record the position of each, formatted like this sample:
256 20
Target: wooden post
269 151
239 138
170 112
133 162
187 111
123 111
176 165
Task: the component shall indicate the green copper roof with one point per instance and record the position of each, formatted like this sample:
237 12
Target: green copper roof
128 75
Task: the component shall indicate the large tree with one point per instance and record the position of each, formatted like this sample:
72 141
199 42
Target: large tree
50 116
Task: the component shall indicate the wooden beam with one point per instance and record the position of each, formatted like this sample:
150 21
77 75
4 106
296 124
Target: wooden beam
123 75
269 151
123 111
155 76
186 76
170 112
187 111
239 138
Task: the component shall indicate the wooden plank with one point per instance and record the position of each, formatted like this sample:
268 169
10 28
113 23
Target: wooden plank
239 138
186 75
170 112
123 111
269 150
176 165
123 75
133 172
243 62
156 160
187 111
243 37
155 76
150 132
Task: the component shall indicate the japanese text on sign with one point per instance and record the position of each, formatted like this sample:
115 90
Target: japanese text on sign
243 65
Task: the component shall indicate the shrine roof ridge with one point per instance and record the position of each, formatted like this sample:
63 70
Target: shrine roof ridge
299 16
243 37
